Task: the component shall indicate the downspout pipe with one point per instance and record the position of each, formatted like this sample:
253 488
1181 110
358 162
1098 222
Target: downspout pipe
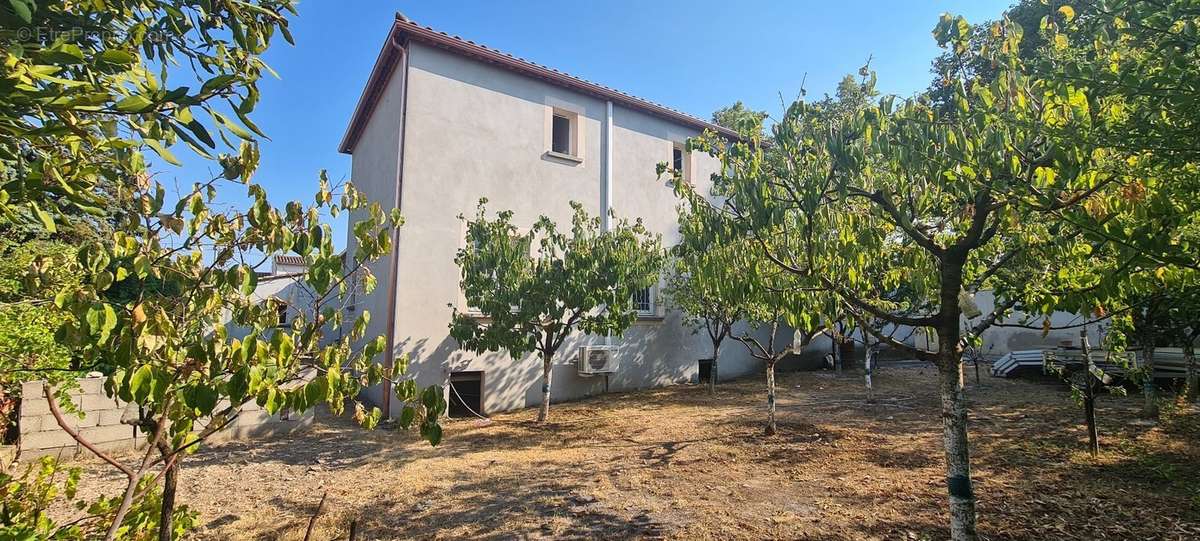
606 175
389 360
606 191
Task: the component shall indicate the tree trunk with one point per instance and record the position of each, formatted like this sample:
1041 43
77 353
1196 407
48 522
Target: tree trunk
712 370
1089 416
1091 386
1193 377
837 352
1149 389
954 405
544 411
868 369
771 428
958 453
170 482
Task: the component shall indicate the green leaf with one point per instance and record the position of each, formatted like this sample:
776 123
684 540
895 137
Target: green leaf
23 9
432 431
133 104
45 217
217 82
232 126
117 56
407 415
238 385
141 382
163 152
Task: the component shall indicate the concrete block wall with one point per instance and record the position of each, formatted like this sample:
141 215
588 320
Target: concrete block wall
102 424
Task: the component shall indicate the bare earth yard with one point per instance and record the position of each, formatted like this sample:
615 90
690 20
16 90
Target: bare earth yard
676 463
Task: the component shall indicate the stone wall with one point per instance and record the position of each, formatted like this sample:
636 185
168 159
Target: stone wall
102 424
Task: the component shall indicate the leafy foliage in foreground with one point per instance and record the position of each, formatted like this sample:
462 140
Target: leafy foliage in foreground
46 485
84 88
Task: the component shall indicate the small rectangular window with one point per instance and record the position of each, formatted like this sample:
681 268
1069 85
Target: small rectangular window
677 159
643 302
560 140
281 313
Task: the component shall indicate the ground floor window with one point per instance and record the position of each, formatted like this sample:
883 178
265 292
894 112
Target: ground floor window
466 394
643 301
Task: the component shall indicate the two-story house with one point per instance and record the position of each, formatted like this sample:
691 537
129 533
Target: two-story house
444 121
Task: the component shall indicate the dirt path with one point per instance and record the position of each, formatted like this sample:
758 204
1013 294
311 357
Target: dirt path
678 464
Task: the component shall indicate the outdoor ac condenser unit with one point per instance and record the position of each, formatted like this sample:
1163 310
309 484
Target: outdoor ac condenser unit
597 360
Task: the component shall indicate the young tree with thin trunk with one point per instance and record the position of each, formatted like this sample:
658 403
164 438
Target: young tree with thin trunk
701 277
530 291
1087 379
686 290
187 276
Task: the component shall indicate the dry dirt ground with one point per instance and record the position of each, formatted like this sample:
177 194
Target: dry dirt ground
676 463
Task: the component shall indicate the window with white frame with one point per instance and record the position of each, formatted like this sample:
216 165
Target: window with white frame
679 161
564 140
643 301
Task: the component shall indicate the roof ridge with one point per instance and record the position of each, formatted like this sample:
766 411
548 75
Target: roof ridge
406 28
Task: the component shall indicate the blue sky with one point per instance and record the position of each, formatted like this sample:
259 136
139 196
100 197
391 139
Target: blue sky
694 56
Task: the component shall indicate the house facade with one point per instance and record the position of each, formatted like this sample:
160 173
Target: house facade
443 122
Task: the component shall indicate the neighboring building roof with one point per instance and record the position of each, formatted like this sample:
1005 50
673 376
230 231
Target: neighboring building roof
293 260
405 29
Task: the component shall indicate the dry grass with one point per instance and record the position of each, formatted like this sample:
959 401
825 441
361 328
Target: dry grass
677 463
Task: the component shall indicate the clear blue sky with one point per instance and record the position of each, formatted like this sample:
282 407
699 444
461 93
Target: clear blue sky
694 56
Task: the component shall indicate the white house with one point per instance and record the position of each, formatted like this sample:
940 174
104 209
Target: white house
444 121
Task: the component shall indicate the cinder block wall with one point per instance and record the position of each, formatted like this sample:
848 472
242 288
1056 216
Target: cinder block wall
101 423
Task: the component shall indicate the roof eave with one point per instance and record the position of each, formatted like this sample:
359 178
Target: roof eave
381 73
404 31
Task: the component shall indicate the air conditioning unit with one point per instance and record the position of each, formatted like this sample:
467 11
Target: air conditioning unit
597 360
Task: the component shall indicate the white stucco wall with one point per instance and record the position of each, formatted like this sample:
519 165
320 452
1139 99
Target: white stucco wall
474 130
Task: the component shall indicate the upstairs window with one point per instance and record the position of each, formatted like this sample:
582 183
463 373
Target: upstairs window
560 137
563 135
679 161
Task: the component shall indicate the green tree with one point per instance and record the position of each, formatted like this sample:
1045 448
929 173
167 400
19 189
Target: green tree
530 291
86 89
722 276
85 94
700 273
28 318
898 193
189 275
738 115
1140 62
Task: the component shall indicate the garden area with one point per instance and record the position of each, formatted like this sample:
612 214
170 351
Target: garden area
676 463
1045 185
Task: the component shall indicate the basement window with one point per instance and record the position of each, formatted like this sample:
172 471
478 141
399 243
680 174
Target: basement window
466 394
